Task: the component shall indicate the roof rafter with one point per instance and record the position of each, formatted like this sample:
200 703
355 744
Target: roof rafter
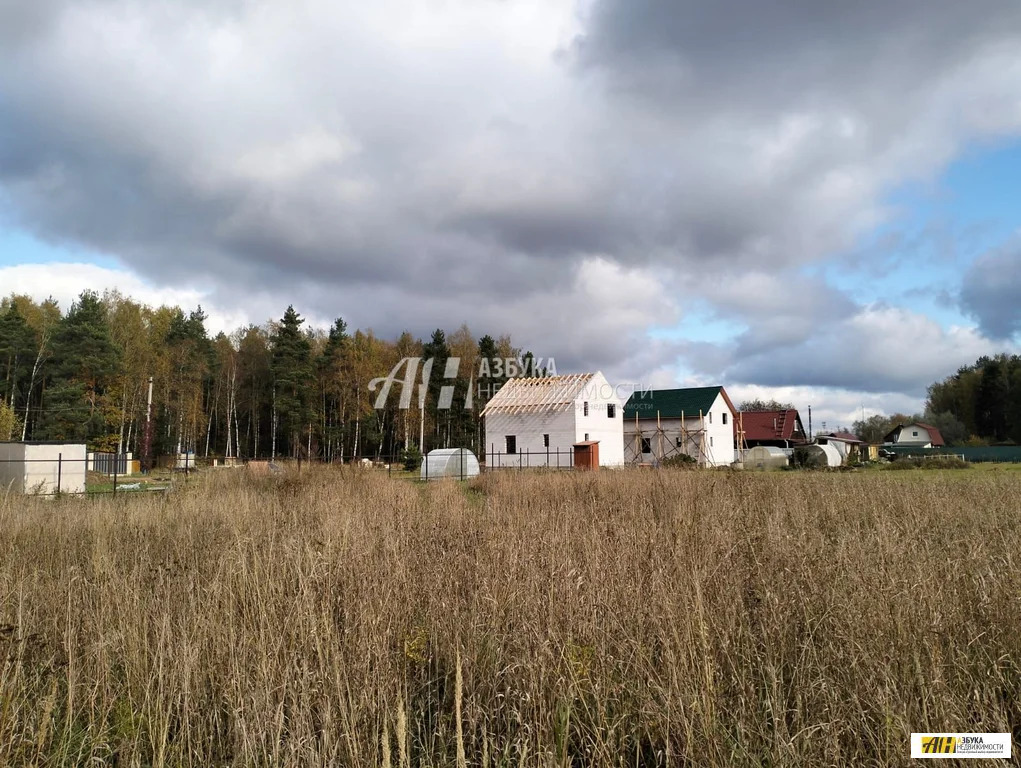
533 395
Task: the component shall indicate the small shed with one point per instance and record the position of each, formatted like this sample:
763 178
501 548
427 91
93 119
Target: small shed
822 456
586 455
457 463
765 457
850 446
42 468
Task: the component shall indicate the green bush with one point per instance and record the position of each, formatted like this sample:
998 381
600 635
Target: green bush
679 461
934 462
412 459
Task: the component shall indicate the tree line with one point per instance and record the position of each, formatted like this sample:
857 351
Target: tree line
285 389
980 404
281 389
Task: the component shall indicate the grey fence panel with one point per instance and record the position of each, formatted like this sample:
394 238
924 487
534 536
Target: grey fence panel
977 454
110 463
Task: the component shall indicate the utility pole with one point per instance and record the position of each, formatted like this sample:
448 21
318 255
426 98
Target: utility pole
809 423
423 391
421 425
147 434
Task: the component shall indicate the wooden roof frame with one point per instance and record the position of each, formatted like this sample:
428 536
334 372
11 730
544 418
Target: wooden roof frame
534 395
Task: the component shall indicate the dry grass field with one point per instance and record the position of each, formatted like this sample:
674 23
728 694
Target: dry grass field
615 619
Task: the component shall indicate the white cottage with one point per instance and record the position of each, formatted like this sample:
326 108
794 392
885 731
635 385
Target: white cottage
698 422
535 422
916 435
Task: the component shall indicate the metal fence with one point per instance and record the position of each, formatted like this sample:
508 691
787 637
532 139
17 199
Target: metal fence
976 454
526 459
109 463
491 461
63 476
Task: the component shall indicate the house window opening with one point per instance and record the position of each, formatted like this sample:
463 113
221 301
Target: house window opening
512 444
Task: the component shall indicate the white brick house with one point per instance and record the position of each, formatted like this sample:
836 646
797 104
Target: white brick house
535 422
698 422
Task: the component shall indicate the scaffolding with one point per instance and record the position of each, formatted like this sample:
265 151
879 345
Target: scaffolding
667 442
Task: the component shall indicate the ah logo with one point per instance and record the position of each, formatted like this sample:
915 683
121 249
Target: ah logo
939 745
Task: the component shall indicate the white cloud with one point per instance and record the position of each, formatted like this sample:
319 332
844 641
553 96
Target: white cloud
831 407
879 349
66 281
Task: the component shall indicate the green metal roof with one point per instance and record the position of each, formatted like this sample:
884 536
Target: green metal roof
669 403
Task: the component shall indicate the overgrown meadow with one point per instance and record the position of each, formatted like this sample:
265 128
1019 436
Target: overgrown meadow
629 618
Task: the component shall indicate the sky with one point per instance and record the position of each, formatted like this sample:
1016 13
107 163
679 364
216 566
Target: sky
806 201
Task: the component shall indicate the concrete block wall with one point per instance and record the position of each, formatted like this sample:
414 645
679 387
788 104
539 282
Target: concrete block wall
43 467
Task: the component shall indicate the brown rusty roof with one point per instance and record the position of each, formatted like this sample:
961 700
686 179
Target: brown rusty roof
771 425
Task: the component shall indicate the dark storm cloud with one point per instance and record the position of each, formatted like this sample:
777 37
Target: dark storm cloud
112 201
991 291
454 166
788 50
20 23
545 230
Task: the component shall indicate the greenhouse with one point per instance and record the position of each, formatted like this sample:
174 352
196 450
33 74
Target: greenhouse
765 457
459 463
822 456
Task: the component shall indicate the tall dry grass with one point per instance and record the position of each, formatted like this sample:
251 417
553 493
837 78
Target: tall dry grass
629 618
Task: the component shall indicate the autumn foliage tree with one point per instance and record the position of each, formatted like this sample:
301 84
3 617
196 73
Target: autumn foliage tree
277 389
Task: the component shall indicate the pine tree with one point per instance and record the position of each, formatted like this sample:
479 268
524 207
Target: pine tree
437 351
84 362
489 384
292 375
991 400
17 353
1014 402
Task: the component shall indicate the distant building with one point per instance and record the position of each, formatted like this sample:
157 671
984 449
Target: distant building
695 421
43 468
779 429
850 446
536 422
916 435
